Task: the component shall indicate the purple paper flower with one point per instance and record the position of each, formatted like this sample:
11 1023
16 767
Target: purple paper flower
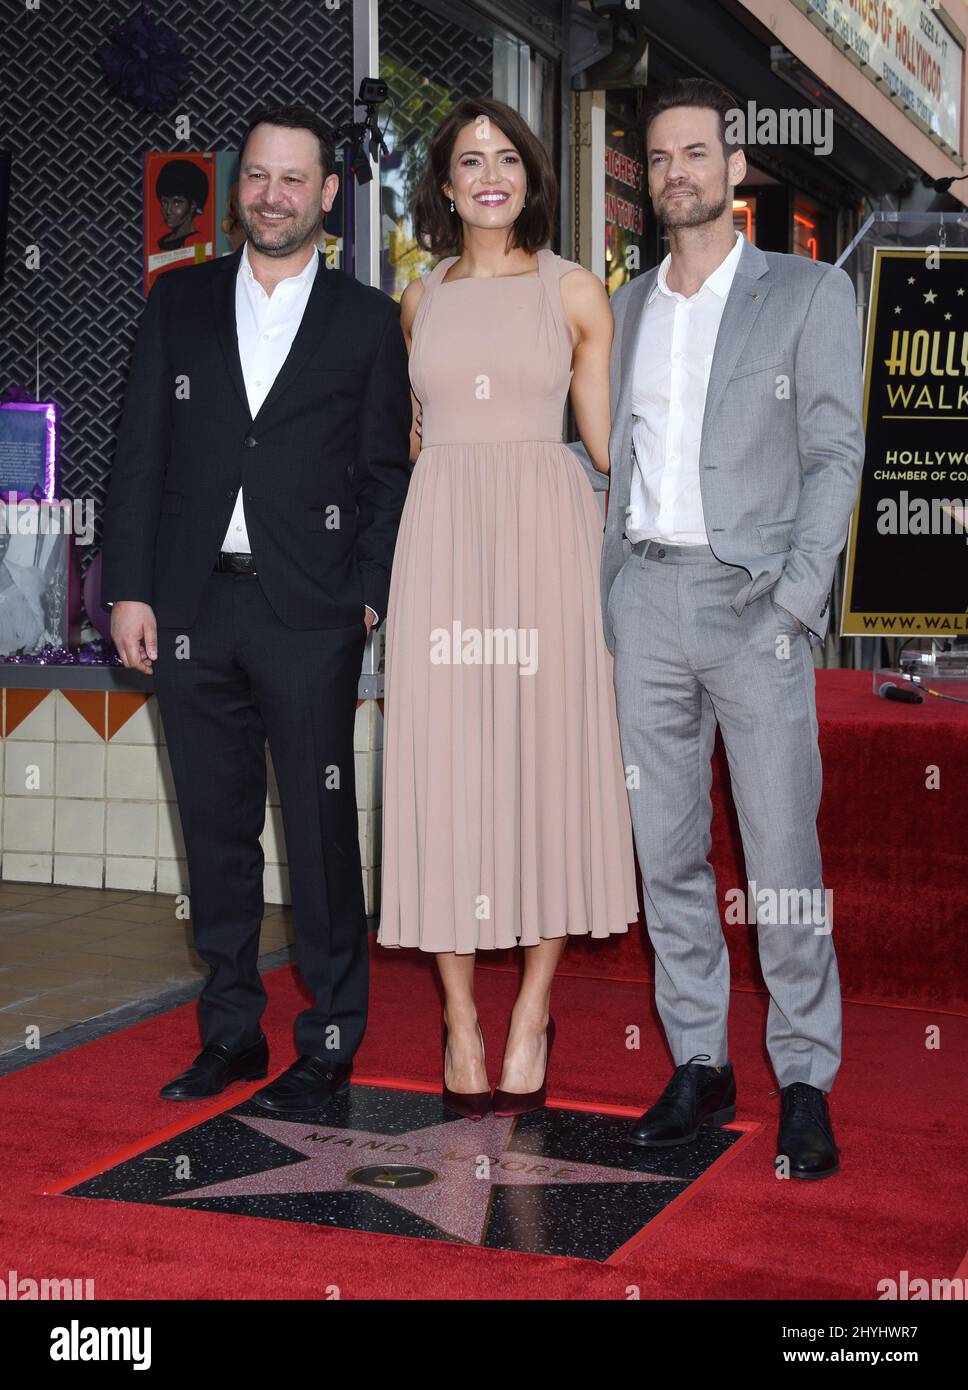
143 62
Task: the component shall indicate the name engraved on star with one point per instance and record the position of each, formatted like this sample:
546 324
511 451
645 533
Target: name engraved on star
497 1160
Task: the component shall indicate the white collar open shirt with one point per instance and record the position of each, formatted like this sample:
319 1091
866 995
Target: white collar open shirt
673 357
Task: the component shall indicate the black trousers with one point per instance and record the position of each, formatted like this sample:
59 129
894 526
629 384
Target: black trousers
235 678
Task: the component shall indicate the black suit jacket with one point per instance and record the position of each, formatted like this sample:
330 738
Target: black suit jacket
330 442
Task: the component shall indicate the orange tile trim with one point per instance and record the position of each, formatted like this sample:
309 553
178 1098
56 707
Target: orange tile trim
122 704
20 703
89 705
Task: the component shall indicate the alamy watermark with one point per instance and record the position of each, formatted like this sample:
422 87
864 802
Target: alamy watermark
907 1287
20 518
489 646
904 515
810 126
17 1287
781 907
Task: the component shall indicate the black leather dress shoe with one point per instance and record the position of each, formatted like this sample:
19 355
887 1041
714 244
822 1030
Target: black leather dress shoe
806 1138
215 1067
696 1095
309 1084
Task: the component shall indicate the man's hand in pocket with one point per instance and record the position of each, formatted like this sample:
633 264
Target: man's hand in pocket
789 615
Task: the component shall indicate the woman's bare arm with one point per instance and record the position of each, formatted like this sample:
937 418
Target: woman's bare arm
589 314
409 301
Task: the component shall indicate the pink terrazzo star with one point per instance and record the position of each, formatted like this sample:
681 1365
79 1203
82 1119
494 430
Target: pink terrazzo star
468 1157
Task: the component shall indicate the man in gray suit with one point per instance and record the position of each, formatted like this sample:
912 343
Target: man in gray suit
736 451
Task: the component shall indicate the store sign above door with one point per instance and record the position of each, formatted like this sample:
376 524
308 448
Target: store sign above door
905 48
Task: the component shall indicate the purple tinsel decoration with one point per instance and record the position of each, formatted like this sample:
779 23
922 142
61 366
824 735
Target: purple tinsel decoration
15 395
100 652
143 62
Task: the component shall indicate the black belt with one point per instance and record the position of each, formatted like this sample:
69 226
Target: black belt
662 550
235 562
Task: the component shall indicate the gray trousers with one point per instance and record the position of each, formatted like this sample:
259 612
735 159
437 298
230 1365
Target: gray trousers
685 661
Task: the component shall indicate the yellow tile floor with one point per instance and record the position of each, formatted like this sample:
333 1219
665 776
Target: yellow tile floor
72 954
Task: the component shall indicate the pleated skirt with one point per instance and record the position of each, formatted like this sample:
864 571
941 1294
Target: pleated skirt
505 810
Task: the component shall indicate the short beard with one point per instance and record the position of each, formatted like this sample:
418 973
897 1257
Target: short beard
298 235
701 213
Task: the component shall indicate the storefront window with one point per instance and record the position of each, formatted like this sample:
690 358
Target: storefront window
744 216
430 58
625 193
806 229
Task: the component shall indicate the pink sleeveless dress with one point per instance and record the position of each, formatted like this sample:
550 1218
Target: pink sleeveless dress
505 811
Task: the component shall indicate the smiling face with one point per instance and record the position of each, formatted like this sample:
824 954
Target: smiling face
691 181
488 182
282 194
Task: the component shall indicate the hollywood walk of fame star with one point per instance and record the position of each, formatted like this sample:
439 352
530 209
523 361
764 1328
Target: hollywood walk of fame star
453 1167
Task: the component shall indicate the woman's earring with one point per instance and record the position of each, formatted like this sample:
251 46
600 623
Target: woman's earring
452 205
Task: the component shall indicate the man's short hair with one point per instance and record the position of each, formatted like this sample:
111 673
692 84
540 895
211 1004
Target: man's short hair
296 118
692 91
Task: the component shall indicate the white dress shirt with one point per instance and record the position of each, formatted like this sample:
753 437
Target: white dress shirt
266 326
673 357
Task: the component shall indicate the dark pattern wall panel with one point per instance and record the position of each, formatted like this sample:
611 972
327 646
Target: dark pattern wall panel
432 48
77 179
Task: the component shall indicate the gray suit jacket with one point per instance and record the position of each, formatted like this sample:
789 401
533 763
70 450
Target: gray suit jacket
782 437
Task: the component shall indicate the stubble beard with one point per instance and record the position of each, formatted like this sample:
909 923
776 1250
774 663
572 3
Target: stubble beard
695 214
297 234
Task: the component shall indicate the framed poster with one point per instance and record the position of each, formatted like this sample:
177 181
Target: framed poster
179 211
28 450
36 577
229 232
907 550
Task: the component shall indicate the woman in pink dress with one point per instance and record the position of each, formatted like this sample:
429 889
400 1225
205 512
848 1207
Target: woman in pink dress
505 812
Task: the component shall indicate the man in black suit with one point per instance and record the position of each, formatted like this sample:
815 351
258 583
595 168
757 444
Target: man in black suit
260 474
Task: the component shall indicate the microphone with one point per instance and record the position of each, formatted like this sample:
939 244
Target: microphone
890 691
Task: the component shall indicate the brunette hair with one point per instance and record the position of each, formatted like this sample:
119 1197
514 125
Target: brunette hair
296 118
440 231
692 91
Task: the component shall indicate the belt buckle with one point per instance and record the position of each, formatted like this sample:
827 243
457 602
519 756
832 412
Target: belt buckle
232 562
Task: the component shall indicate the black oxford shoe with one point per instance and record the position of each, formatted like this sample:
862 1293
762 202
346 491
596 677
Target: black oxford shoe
309 1084
215 1067
696 1095
806 1139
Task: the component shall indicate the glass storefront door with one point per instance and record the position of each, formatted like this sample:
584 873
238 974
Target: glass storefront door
432 55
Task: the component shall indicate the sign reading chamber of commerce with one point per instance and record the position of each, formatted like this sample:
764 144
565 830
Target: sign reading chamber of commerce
905 46
907 557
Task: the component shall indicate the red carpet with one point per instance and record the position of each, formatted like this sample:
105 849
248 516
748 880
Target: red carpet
899 1203
895 853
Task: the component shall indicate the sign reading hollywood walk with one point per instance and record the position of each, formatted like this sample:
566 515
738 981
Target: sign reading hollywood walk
907 555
